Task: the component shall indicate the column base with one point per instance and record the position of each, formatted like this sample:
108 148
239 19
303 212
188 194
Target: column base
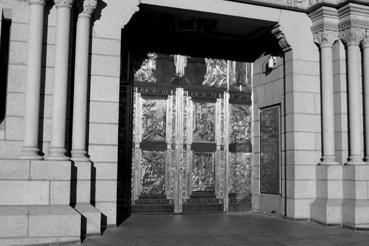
328 162
92 218
81 180
356 214
327 207
57 154
356 200
39 224
355 161
30 153
80 156
327 211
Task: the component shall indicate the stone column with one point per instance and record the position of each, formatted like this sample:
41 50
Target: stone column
32 101
365 47
57 147
326 39
352 38
79 152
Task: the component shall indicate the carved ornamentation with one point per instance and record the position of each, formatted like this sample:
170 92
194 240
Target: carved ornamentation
326 26
38 2
325 38
365 41
89 7
352 36
353 23
63 3
281 38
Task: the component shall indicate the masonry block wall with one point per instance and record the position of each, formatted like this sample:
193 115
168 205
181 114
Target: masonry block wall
11 128
268 90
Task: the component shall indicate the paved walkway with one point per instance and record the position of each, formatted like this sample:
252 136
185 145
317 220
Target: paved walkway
224 229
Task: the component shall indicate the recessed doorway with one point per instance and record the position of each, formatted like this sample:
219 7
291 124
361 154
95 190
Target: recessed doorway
185 117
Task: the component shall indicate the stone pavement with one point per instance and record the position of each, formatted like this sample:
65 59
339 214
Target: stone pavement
224 229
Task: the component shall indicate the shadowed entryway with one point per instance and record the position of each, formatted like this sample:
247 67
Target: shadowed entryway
185 111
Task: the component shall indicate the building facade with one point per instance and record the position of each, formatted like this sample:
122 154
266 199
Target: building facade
68 109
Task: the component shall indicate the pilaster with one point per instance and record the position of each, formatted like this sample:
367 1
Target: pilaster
352 37
327 207
81 77
353 26
83 165
57 148
365 50
30 148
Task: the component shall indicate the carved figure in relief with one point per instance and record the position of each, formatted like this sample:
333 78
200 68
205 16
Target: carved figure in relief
180 63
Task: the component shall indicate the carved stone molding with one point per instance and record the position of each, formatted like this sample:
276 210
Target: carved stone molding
89 7
352 36
38 2
63 3
325 38
281 38
353 23
325 27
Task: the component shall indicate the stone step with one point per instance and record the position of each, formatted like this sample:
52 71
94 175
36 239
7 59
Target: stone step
39 224
202 208
202 200
149 209
240 207
92 218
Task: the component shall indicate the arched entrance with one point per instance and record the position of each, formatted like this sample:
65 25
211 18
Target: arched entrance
186 89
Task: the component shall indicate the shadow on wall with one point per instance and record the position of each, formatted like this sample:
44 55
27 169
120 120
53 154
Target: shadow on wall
124 154
4 57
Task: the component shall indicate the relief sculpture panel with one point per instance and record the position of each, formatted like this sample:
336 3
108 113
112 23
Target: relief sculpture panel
240 171
154 120
204 122
153 172
203 172
269 150
240 123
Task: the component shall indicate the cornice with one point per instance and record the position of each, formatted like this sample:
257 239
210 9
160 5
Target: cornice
306 6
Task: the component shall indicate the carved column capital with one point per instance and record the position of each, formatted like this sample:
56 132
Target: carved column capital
89 7
38 2
365 41
352 36
63 3
325 38
281 38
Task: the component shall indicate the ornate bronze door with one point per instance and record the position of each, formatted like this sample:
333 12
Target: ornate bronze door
182 135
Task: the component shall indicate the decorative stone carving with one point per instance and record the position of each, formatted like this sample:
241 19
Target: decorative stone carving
352 36
281 38
89 7
365 41
325 26
63 3
325 38
353 23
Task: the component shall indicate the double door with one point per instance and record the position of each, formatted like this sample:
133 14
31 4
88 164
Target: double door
185 148
180 147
